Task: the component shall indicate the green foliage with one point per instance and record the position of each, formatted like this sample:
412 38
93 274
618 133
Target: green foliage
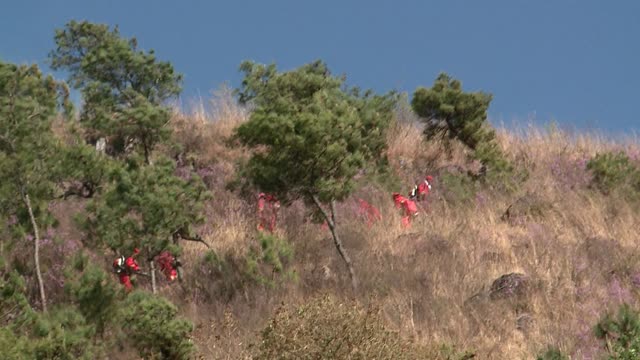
83 170
63 334
28 103
266 264
552 353
95 295
271 258
458 187
144 207
450 113
13 300
123 88
614 171
13 347
59 334
151 325
305 117
142 202
327 329
621 333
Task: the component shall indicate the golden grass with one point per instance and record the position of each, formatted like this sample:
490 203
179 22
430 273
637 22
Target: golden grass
425 277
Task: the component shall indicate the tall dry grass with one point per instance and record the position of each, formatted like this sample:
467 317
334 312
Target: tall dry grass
432 280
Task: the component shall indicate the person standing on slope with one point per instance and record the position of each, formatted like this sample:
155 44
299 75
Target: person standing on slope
421 190
168 265
408 208
268 207
369 212
125 268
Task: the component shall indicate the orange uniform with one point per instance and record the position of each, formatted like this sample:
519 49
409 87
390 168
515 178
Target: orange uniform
167 264
268 207
408 207
125 268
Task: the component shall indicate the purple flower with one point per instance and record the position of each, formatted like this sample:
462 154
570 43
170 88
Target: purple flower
619 292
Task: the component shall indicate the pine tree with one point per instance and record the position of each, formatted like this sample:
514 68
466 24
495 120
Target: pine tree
450 113
145 207
143 203
123 88
28 103
312 135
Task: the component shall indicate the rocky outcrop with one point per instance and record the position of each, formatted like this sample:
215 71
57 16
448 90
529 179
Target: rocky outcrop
513 285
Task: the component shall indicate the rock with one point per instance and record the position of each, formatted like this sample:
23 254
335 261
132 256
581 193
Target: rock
526 207
509 286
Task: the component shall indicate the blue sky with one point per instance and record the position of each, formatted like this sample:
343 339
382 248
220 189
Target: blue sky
573 61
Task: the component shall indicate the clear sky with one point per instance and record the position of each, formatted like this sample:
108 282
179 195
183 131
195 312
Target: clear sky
573 61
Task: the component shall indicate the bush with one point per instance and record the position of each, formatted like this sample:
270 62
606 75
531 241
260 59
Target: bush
95 294
64 335
614 171
458 187
151 326
621 333
272 257
14 348
552 353
328 329
266 264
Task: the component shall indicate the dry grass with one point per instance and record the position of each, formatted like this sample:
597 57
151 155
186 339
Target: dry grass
432 280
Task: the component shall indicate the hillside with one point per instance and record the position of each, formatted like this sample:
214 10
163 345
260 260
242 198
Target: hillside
574 246
133 229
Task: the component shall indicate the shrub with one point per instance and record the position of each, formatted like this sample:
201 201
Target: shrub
151 326
458 187
613 171
65 335
273 255
13 347
95 295
328 329
552 353
266 264
621 333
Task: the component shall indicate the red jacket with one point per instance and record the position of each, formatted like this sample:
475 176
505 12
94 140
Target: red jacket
402 202
131 264
166 262
267 219
369 211
424 188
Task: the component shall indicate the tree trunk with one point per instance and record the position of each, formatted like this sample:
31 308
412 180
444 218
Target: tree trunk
152 266
153 276
331 221
36 252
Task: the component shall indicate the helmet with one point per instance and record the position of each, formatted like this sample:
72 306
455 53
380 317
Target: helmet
429 178
118 264
136 251
261 195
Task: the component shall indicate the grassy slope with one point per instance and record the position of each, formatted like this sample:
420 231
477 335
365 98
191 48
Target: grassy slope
430 280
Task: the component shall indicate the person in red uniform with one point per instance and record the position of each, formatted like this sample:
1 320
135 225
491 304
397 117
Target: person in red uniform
369 212
125 268
421 190
408 207
168 265
268 207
